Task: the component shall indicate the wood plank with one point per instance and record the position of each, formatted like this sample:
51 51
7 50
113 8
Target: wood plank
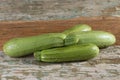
12 29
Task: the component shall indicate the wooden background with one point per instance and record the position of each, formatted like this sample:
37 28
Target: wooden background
21 16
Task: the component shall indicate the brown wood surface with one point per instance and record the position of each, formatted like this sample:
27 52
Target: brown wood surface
12 29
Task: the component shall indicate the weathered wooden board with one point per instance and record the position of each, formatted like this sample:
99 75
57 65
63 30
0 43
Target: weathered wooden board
12 29
106 66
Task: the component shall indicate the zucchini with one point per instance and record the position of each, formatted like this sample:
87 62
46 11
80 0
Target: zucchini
18 47
100 38
68 53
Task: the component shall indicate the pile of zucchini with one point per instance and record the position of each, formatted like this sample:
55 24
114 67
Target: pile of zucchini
75 44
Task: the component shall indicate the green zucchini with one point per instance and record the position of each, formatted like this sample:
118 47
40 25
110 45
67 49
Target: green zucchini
18 47
100 38
68 53
77 28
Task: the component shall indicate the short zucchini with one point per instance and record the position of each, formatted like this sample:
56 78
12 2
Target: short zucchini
68 53
24 46
78 28
100 38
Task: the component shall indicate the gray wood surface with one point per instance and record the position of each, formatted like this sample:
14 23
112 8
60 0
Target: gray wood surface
106 66
56 9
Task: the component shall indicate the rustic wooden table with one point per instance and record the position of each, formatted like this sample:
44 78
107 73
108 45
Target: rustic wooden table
106 66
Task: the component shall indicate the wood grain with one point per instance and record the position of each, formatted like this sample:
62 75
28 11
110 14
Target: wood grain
12 29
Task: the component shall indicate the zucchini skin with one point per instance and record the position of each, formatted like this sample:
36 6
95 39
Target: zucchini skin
68 53
18 47
100 38
78 28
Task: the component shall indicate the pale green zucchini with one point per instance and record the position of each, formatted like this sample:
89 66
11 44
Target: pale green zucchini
77 28
99 38
24 46
68 53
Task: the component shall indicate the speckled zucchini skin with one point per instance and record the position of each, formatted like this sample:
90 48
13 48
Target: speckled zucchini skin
68 53
78 28
100 38
18 47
